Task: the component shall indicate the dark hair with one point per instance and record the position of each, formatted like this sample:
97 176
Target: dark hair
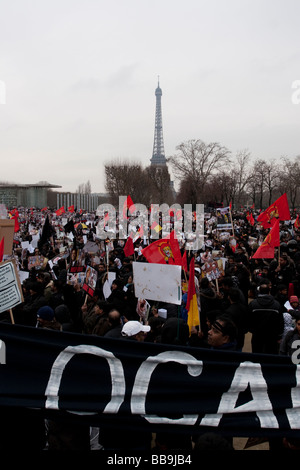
264 289
228 328
114 317
175 331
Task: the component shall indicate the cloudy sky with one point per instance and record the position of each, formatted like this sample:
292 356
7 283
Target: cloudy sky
80 76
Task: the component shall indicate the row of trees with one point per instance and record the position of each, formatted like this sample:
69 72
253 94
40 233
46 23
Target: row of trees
144 185
207 173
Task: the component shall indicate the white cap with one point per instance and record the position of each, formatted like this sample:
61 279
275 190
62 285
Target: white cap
162 312
132 328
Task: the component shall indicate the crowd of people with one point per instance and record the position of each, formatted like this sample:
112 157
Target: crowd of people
260 296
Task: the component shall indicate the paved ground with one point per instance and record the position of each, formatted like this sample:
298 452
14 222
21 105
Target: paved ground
252 444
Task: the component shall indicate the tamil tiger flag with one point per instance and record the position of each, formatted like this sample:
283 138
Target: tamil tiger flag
14 212
297 223
71 208
278 210
191 304
266 249
60 211
163 251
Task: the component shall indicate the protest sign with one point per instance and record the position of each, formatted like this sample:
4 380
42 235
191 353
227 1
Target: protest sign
10 288
89 284
161 282
7 230
223 219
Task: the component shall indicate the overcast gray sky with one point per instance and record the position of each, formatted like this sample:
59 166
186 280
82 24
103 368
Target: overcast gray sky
80 79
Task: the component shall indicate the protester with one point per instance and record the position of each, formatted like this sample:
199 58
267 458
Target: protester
46 319
135 330
290 342
34 301
116 324
222 300
223 334
238 312
265 322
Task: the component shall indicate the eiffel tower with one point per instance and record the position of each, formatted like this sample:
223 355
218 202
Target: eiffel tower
158 155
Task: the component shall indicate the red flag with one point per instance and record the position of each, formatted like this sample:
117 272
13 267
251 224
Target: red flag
71 208
17 226
1 249
297 223
184 262
44 209
192 305
60 211
14 212
250 218
278 210
128 204
290 289
164 251
129 248
266 249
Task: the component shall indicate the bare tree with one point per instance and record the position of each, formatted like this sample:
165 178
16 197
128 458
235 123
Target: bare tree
240 173
160 185
123 179
289 179
271 179
196 162
84 188
258 179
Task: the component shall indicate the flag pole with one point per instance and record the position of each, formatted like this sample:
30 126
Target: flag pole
11 316
231 219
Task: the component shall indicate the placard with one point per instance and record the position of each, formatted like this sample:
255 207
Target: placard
160 282
7 230
10 287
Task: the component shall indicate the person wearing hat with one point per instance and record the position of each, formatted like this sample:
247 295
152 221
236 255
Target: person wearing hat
135 330
294 303
46 319
290 341
292 309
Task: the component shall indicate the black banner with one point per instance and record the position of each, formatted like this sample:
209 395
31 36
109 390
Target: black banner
109 382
